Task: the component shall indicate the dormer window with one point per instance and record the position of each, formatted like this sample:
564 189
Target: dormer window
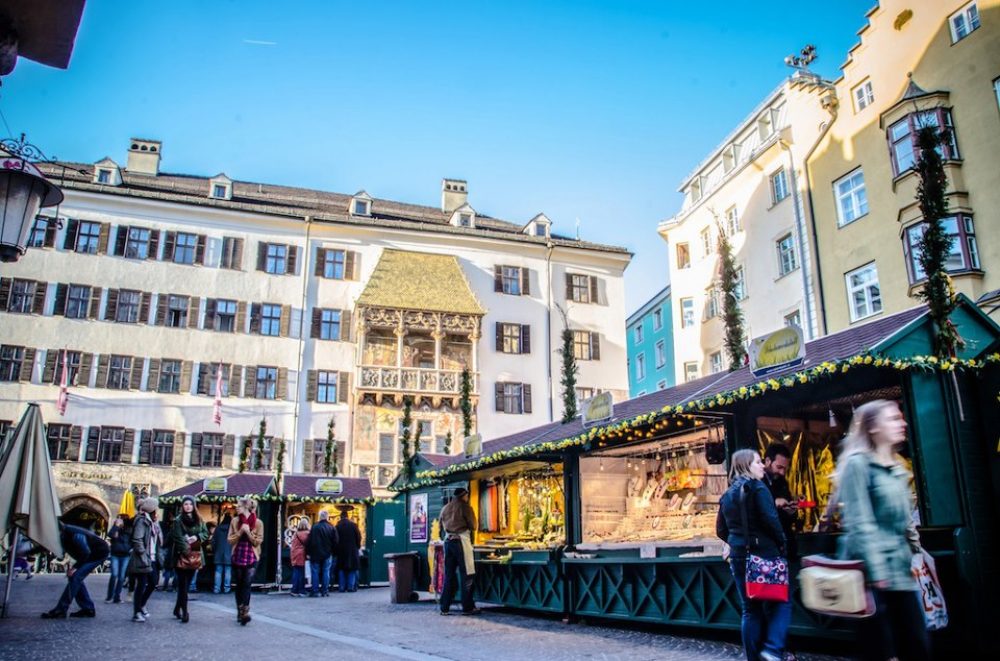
361 204
218 190
103 176
464 216
465 219
538 226
107 173
360 207
220 187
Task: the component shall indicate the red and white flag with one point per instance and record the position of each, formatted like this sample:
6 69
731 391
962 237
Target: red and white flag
63 398
217 409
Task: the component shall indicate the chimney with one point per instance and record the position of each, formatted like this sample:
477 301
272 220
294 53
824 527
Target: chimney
143 157
454 193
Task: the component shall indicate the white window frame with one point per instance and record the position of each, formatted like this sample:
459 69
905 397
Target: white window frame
793 317
788 260
715 362
863 95
637 333
687 322
657 319
969 14
872 305
103 176
779 192
847 189
661 353
690 371
687 249
640 366
361 207
740 284
705 236
732 221
220 191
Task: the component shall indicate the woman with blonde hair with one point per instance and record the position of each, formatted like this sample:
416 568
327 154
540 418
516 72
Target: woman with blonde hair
873 489
764 624
245 536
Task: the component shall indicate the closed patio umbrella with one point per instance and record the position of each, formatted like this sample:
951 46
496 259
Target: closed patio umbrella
28 501
127 506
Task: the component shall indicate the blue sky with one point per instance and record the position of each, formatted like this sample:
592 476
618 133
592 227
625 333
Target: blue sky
589 110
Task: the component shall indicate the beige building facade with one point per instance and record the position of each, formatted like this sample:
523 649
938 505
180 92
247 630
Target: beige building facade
930 62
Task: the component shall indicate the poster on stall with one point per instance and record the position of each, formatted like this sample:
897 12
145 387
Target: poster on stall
418 517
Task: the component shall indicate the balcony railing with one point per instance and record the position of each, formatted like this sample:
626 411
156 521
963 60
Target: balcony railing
414 379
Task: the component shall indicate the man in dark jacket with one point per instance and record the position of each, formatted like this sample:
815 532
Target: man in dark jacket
459 523
348 549
776 458
320 549
89 551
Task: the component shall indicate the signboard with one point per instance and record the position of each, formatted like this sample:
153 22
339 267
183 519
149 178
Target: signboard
418 517
778 350
647 551
390 528
473 445
330 486
215 485
597 409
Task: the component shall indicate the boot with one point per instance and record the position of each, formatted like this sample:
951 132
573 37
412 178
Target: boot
239 614
243 615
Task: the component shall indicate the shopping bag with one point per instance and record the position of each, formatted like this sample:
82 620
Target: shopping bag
931 596
835 587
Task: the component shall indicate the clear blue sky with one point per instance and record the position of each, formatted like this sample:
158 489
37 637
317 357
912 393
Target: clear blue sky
589 110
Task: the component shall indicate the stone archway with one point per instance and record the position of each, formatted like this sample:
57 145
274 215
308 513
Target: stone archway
85 511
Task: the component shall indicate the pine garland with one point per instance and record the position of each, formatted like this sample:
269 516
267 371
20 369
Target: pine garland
279 463
245 453
329 457
731 313
447 443
569 372
259 451
465 403
404 438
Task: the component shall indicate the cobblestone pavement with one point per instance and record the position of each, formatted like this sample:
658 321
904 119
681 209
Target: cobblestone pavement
360 624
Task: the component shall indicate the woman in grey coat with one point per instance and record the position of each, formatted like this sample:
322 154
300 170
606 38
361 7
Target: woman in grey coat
146 541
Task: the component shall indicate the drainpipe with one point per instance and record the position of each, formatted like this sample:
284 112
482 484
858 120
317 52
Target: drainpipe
548 326
302 318
811 330
812 212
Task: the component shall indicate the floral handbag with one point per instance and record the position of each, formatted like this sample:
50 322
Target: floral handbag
766 579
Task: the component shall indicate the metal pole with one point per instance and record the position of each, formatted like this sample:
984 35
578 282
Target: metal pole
10 569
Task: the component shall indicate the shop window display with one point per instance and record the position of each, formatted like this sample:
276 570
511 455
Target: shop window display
520 512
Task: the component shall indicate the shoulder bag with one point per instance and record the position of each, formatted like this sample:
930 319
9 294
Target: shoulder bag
191 559
766 579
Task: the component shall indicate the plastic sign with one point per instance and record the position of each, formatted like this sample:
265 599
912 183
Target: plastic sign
473 445
597 409
330 486
778 350
215 485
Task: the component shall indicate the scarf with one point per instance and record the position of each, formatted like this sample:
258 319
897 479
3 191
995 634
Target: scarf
244 554
189 521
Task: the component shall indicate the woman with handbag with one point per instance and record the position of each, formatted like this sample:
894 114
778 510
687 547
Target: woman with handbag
748 522
873 488
246 533
187 536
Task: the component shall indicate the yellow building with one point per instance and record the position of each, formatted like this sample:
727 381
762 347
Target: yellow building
918 62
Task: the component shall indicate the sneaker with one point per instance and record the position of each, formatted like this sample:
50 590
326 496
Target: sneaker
145 613
108 600
53 614
216 591
83 612
139 617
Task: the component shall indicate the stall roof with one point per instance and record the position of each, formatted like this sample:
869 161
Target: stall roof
237 484
355 488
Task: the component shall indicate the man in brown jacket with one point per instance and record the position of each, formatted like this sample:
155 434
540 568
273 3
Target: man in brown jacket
458 522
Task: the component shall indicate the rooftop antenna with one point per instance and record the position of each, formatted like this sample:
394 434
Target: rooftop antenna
578 228
802 61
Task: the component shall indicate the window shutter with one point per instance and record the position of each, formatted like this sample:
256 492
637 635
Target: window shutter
312 385
525 338
135 377
169 242
161 309
345 325
498 327
50 233
62 291
255 309
308 448
72 227
49 371
241 316
595 346
204 375
525 282
154 244
186 367
111 309
250 382
285 324
316 320
228 451
120 239
199 250
153 381
103 362
102 239
73 449
179 448
5 284
144 302
83 375
594 290
498 278
234 374
261 256
194 308
526 397
354 272
27 365
320 261
145 446
195 450
93 439
127 445
343 387
281 391
209 314
569 287
38 304
237 255
95 302
293 260
498 396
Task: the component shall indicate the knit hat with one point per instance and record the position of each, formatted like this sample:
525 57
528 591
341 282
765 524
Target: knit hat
189 498
149 505
460 492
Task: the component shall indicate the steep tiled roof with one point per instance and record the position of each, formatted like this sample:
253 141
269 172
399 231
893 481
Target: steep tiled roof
419 281
355 488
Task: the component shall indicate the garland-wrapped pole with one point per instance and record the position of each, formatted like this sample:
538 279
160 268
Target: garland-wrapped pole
279 469
329 458
465 403
259 452
731 313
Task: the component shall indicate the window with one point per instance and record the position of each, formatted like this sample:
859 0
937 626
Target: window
465 220
212 449
170 376
177 311
22 296
262 462
732 221
276 258
360 208
903 138
740 285
162 448
779 186
794 319
583 394
127 311
72 368
852 199
661 354
657 319
426 428
219 190
57 437
136 243
333 264
88 237
386 448
690 371
511 280
637 332
270 320
77 301
119 371
579 288
5 426
715 362
326 387
706 241
963 22
103 176
10 362
207 374
863 96
232 253
683 256
640 367
712 307
225 316
586 345
863 295
513 398
510 338
687 312
267 383
964 254
786 255
110 443
329 325
319 455
185 247
39 234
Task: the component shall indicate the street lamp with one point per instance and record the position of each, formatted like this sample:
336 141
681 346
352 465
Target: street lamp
23 191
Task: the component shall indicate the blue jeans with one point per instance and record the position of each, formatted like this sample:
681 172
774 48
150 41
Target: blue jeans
193 585
223 578
347 580
765 623
77 589
299 580
321 575
118 574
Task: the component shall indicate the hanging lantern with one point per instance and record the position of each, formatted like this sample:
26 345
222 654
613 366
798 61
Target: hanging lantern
23 191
